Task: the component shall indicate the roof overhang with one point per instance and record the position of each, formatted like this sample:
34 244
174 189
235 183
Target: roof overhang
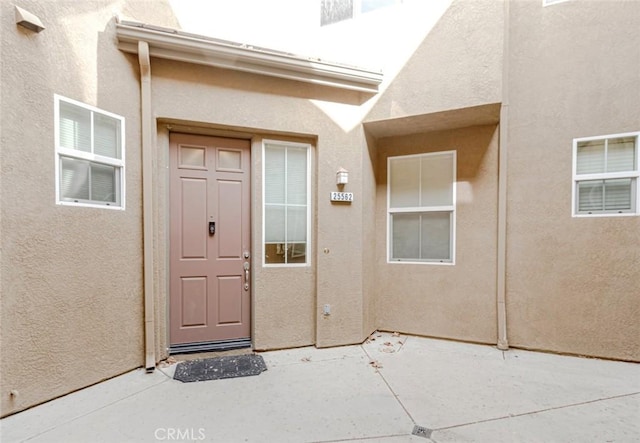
487 114
176 45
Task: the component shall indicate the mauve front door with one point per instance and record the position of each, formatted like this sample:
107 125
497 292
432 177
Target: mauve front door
210 293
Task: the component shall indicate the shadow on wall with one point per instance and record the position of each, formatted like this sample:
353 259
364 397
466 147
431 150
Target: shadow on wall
244 81
472 143
457 64
474 158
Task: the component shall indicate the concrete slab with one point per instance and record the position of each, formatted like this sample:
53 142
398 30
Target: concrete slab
340 398
458 391
384 343
444 384
389 439
311 354
609 420
46 417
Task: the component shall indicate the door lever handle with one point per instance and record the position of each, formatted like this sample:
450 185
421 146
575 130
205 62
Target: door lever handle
246 267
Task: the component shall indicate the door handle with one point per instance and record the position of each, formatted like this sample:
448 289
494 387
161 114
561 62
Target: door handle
212 228
246 267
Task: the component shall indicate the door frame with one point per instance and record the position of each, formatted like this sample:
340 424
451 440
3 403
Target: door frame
163 326
164 126
212 335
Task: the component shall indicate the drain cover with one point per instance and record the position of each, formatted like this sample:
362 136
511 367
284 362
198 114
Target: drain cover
421 431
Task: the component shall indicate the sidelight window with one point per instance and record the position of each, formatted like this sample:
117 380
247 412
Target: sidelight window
286 203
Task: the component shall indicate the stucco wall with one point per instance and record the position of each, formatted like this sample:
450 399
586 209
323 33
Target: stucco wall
457 65
370 234
573 283
288 302
449 301
71 295
464 46
283 298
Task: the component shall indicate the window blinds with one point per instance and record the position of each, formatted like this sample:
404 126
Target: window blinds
602 158
90 154
286 194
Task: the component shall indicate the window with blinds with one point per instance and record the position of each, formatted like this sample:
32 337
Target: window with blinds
605 176
334 11
89 155
286 203
421 207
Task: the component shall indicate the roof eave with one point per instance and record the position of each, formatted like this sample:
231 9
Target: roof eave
190 48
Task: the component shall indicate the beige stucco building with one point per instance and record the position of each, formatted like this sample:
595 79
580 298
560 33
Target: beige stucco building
165 191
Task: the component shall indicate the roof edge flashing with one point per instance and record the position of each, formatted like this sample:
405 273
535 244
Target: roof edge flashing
180 46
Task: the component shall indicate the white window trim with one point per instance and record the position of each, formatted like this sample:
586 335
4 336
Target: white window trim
356 10
603 176
451 208
308 250
73 153
357 7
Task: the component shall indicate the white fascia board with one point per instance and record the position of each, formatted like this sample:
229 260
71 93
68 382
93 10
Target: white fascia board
177 45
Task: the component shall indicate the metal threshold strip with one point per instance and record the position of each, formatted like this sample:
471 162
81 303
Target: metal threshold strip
223 345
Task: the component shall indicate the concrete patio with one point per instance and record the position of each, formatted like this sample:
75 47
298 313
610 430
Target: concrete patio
382 391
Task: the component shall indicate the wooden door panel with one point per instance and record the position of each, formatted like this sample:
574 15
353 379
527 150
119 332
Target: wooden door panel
230 240
210 180
193 210
229 302
193 301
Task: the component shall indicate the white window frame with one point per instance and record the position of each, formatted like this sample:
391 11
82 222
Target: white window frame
422 209
576 178
308 250
546 3
89 156
356 11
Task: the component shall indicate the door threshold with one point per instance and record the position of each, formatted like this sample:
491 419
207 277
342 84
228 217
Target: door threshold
222 345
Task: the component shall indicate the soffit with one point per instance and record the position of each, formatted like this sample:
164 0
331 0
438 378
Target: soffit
436 121
177 45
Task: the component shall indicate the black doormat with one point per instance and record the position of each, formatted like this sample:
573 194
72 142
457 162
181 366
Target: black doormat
230 366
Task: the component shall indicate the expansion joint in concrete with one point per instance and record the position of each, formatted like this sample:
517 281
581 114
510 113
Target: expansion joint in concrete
538 411
391 389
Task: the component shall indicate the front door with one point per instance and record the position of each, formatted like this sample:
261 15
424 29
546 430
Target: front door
210 294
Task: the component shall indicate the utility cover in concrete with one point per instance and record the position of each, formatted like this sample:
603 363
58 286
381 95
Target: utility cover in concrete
421 431
230 366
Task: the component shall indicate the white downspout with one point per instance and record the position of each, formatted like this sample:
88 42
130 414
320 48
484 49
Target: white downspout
503 343
147 203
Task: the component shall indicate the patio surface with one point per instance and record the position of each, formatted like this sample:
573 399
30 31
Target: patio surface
375 392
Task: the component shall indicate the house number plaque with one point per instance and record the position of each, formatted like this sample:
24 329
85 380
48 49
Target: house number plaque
342 197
